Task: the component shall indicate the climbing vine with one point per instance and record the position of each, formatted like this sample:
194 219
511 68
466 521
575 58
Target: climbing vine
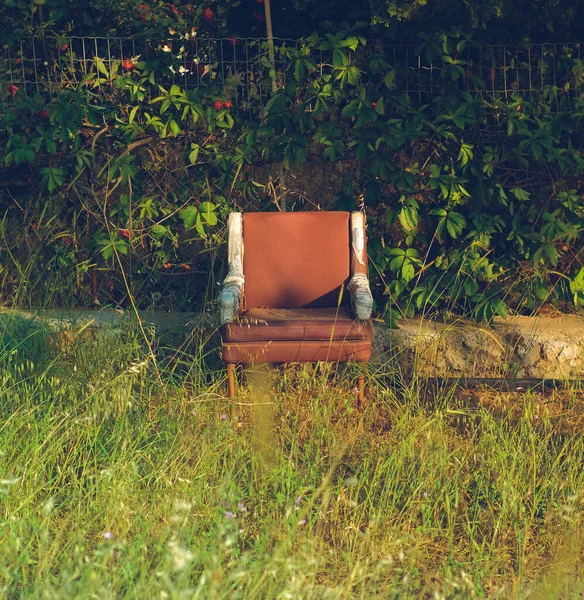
474 199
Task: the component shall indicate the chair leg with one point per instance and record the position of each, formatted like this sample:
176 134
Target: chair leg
230 380
361 387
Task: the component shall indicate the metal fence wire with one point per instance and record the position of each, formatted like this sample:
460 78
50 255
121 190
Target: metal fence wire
50 65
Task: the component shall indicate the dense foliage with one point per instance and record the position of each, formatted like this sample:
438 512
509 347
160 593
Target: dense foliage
506 21
474 199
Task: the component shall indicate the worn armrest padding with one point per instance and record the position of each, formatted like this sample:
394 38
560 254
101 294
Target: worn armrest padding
358 287
230 297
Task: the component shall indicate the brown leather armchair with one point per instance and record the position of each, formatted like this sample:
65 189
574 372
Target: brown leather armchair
297 290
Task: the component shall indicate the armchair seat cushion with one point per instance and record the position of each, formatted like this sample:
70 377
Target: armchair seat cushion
296 324
305 334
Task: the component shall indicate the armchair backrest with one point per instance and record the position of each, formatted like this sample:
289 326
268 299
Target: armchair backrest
295 260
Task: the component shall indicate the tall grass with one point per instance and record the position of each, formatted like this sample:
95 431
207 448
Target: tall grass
125 477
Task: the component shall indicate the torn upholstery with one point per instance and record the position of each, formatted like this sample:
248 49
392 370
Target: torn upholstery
358 287
230 297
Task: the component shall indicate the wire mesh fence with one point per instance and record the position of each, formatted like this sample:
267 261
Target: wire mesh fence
50 65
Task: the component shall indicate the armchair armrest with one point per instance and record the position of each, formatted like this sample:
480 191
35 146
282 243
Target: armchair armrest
231 294
361 298
358 287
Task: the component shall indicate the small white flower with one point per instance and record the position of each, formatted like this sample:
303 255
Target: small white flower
107 535
180 556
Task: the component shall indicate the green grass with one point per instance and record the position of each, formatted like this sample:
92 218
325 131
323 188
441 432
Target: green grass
120 477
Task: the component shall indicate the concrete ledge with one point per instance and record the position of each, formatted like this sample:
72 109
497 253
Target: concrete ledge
537 347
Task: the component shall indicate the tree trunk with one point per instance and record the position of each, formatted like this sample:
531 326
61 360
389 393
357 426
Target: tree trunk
270 35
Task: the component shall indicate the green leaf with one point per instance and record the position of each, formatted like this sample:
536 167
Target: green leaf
158 231
408 217
133 114
389 79
101 66
194 154
465 153
408 271
353 75
189 216
207 210
521 194
340 59
380 107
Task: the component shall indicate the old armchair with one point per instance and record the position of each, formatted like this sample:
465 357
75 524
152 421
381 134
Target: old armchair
297 290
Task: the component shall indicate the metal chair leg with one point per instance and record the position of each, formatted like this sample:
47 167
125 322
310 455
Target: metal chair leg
230 380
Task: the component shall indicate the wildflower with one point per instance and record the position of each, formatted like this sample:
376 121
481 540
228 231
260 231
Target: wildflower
124 233
228 104
355 391
302 522
49 505
12 89
224 417
218 104
208 14
241 507
128 65
181 557
107 535
185 266
168 265
64 47
230 515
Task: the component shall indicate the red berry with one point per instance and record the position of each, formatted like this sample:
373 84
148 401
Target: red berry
124 233
109 285
208 14
128 64
64 47
43 114
218 104
12 89
373 104
228 104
